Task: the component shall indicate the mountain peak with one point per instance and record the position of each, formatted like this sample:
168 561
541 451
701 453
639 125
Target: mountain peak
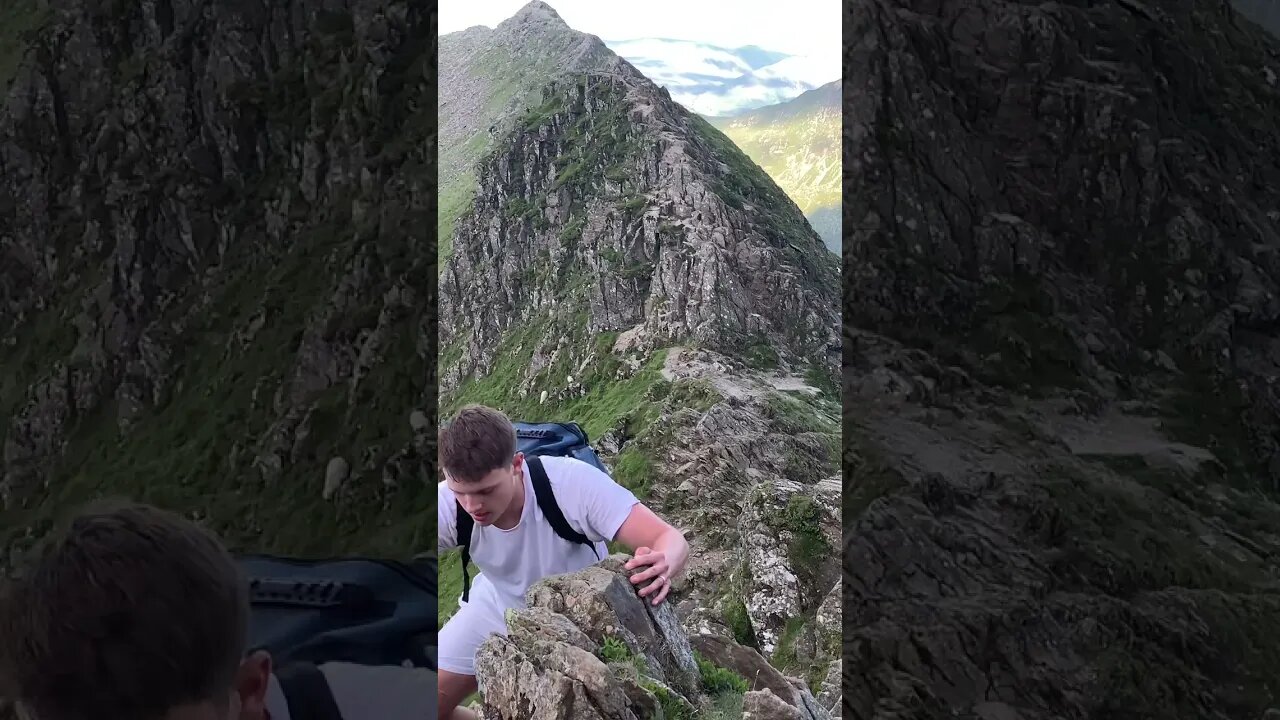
536 12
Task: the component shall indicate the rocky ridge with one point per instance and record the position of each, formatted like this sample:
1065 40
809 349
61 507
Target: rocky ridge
1060 353
613 200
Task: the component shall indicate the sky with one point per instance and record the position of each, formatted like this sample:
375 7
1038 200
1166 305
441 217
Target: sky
798 27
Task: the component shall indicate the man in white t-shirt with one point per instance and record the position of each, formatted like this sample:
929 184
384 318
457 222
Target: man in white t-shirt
513 543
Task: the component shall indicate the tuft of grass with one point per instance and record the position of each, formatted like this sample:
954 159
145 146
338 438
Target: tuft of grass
787 656
615 651
717 680
673 707
739 621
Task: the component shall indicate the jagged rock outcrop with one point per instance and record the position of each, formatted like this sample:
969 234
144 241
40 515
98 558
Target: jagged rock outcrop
588 647
212 276
1061 413
612 200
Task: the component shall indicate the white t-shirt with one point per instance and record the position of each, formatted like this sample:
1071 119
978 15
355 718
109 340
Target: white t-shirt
511 560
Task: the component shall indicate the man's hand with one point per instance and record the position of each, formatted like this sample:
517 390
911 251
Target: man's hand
659 546
657 571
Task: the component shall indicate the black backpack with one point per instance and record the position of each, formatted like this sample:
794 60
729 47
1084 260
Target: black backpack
357 610
535 440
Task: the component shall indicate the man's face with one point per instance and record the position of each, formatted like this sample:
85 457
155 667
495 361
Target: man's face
489 497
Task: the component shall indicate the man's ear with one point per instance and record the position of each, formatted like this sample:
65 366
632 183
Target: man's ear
252 680
517 461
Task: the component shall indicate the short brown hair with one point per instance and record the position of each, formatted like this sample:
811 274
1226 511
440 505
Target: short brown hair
478 441
128 612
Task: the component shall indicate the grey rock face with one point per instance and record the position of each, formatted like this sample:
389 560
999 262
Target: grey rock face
1061 256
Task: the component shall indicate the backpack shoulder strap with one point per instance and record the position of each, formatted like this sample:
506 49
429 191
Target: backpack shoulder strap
307 692
547 503
465 523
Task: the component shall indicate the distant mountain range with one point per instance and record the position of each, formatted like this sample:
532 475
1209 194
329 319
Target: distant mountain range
798 144
713 80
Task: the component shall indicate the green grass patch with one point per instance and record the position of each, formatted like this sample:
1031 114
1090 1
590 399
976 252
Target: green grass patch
572 231
1208 412
40 342
1021 343
541 115
717 680
671 705
615 651
453 201
739 622
868 477
634 470
450 584
796 652
607 399
633 203
798 413
819 376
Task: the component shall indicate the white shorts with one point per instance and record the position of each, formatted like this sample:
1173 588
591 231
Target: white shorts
474 622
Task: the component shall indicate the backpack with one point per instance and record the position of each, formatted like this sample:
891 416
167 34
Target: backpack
358 610
535 440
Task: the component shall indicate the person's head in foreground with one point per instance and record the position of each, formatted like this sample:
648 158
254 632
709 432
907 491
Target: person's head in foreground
480 463
130 613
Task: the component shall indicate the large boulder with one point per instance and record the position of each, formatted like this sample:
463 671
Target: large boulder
588 647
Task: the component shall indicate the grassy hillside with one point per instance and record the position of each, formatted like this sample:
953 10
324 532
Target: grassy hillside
798 144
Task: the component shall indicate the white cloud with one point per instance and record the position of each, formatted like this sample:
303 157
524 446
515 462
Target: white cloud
689 57
813 68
